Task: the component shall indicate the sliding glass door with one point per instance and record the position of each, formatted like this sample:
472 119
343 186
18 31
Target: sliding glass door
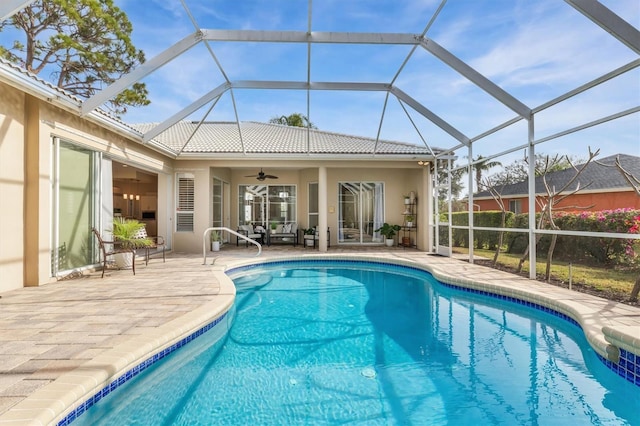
266 204
220 208
360 211
74 211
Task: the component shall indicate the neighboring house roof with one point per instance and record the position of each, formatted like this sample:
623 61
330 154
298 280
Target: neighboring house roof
599 176
267 138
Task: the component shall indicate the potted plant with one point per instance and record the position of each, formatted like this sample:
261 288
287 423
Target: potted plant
309 240
409 219
274 226
129 233
407 199
216 239
389 231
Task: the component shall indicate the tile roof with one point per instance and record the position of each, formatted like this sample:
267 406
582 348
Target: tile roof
230 137
57 95
267 138
599 175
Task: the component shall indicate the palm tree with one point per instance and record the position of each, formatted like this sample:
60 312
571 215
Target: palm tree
481 166
296 120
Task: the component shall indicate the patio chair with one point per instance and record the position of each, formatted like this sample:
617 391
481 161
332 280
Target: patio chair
111 248
156 243
250 232
287 233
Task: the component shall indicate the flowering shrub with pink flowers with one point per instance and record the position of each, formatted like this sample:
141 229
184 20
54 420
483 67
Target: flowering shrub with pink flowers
604 250
600 250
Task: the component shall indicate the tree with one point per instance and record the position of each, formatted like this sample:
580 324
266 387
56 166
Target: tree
634 182
85 44
456 184
481 165
518 171
496 193
548 203
295 120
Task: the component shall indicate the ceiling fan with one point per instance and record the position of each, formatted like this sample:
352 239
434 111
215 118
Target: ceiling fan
262 176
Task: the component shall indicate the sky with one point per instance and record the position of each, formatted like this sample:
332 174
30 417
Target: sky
534 50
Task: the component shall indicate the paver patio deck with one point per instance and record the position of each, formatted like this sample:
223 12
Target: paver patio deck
50 333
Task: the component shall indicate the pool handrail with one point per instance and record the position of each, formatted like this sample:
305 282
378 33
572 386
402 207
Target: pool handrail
205 238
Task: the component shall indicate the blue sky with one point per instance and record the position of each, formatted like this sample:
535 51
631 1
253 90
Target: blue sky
535 50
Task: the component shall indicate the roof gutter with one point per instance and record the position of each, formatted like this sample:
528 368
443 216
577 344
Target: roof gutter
304 156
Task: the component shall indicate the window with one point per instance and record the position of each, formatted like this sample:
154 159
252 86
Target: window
185 202
263 204
515 206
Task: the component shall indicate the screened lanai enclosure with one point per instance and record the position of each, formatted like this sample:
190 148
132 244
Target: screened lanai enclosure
500 92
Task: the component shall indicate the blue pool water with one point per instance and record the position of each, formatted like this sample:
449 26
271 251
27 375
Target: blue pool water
366 344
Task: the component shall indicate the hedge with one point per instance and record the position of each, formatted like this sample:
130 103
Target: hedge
604 251
482 239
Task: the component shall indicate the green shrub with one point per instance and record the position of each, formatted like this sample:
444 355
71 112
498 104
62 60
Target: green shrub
485 219
597 250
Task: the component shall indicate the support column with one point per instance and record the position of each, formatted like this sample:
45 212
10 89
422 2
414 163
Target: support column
470 203
425 212
532 201
322 209
33 246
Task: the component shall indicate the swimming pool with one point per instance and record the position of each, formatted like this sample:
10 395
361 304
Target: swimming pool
391 346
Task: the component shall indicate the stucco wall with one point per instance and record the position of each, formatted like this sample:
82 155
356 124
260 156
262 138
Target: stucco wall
12 184
398 180
27 125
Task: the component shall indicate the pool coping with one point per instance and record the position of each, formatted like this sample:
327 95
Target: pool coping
68 393
605 331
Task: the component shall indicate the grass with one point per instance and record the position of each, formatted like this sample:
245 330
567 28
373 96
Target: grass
597 279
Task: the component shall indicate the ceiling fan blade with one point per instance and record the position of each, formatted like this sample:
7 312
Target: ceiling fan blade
262 176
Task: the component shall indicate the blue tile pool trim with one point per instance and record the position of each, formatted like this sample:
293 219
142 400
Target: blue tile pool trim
135 371
628 366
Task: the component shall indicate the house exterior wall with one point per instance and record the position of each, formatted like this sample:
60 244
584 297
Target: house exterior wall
12 187
399 179
27 125
589 201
